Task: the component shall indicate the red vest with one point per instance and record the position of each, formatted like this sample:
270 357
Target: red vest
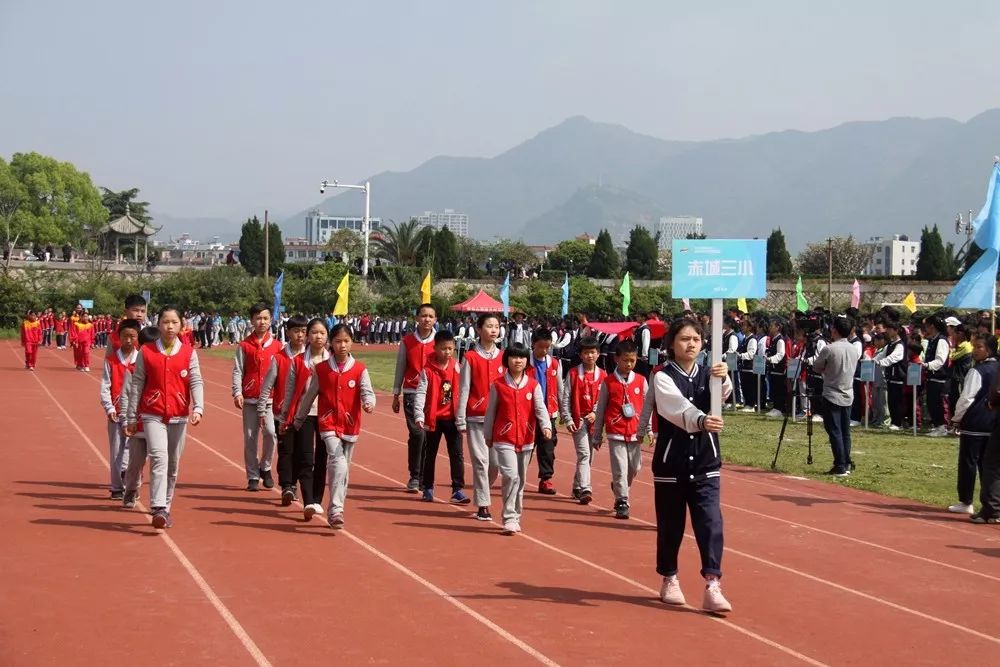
256 359
117 369
339 398
620 393
167 392
416 356
435 407
551 384
278 389
483 372
584 389
514 421
302 375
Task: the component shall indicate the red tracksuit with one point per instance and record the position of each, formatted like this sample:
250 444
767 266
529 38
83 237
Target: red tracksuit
31 338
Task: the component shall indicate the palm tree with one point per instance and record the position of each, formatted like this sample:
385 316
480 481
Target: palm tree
404 244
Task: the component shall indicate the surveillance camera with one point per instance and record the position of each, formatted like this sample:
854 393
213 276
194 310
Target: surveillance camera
322 190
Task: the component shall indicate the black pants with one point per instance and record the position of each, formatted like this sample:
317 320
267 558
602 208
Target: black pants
896 400
971 449
779 392
296 459
61 340
310 429
415 440
673 500
748 381
990 494
456 457
860 404
46 337
545 452
937 394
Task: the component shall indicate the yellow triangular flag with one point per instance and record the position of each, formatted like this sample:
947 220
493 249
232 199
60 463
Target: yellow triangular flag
911 302
343 289
425 289
741 303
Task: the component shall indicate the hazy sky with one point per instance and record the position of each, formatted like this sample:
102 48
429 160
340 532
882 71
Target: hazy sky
223 108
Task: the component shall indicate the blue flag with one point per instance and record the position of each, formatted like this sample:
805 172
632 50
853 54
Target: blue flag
505 296
977 288
278 286
565 308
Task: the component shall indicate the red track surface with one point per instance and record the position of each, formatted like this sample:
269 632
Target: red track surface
818 574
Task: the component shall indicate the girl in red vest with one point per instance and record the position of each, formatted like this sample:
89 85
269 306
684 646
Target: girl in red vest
436 406
136 443
343 389
165 393
31 338
61 326
117 365
272 395
309 451
253 357
410 359
83 340
515 409
578 408
622 397
482 366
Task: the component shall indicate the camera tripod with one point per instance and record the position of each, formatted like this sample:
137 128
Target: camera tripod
809 416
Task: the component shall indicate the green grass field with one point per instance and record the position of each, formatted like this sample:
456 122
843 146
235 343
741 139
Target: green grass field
892 464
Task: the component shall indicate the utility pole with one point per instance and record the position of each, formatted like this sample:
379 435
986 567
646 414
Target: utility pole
267 249
829 277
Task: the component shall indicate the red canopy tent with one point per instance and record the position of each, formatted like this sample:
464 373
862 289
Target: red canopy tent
480 303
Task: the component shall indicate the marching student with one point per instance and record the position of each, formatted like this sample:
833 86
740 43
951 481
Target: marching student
61 327
83 340
481 367
135 309
117 365
31 338
776 353
343 389
545 369
686 465
436 408
165 393
975 421
308 450
578 408
47 320
410 362
272 394
136 443
515 409
253 357
623 393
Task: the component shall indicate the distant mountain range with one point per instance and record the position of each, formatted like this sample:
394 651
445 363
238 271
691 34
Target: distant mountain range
861 178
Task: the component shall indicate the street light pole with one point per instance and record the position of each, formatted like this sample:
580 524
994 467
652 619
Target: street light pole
366 222
829 276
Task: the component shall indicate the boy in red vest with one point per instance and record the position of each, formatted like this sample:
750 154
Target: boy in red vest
31 338
619 405
135 309
516 408
273 394
546 371
413 353
436 406
117 365
253 358
579 403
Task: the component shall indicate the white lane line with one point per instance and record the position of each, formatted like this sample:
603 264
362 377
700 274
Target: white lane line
234 625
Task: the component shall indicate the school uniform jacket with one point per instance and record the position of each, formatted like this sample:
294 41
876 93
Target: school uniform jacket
31 333
250 365
299 373
276 382
83 334
165 386
116 367
553 382
437 393
937 359
480 369
616 391
509 422
972 409
580 394
684 452
410 359
341 392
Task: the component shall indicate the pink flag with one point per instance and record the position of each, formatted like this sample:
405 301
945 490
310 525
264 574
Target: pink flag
856 294
687 304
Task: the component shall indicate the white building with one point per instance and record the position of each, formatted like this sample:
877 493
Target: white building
298 250
458 223
319 225
893 257
678 227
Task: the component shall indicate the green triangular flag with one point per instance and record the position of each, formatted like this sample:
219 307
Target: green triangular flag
800 298
626 292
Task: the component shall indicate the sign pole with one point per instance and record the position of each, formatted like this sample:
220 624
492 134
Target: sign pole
914 391
868 399
716 383
756 408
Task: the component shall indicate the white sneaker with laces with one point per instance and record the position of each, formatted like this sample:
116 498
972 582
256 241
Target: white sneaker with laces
937 432
714 601
893 427
511 527
670 591
774 414
961 508
311 510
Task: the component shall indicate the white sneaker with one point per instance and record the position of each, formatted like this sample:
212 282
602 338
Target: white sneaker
748 410
855 424
774 414
937 432
893 427
670 591
817 419
714 601
86 369
511 527
961 508
311 510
